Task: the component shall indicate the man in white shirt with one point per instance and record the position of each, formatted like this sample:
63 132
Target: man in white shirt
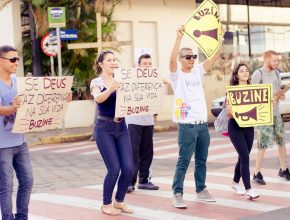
141 134
190 112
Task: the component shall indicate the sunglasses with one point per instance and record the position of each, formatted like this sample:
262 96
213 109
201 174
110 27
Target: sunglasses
188 57
12 60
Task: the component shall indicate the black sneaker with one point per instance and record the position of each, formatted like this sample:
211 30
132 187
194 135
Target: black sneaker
258 178
131 188
284 174
148 186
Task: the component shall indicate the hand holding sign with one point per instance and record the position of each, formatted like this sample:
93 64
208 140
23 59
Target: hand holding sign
180 31
16 102
41 102
281 94
114 86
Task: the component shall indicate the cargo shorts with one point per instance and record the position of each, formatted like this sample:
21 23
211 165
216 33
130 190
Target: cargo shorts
267 134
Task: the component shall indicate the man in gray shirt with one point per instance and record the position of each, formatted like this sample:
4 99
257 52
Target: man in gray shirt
269 74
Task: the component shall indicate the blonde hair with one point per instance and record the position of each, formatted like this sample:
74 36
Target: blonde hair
181 51
267 54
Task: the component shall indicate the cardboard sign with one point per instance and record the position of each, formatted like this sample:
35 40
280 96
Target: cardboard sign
204 27
140 92
43 103
251 104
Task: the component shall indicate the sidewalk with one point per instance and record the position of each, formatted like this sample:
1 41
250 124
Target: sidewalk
80 134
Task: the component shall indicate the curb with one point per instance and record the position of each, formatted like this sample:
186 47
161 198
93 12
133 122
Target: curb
62 139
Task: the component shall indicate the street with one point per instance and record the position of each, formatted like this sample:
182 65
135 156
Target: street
69 177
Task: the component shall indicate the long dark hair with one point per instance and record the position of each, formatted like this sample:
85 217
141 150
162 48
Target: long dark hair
100 59
234 78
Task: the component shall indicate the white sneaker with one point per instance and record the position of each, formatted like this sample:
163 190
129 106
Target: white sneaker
239 190
251 194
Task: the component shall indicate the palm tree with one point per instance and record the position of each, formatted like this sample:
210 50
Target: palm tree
81 15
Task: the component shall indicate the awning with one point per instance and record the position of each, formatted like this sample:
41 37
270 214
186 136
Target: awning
271 3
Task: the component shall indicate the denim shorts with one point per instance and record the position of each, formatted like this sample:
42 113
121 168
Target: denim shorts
269 133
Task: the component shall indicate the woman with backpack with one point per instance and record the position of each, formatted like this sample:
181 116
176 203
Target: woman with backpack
242 139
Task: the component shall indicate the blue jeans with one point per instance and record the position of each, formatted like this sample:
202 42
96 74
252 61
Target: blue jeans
191 139
19 159
114 145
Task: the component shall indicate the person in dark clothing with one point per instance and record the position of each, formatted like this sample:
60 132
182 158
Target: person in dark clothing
112 136
242 139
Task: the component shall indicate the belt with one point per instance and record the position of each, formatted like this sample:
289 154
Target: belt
106 118
198 122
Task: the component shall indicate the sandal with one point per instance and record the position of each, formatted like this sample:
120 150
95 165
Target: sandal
123 207
110 210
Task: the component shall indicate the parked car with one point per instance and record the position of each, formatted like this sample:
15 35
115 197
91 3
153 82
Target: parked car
284 105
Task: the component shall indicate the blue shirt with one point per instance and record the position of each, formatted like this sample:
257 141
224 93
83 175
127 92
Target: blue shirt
7 138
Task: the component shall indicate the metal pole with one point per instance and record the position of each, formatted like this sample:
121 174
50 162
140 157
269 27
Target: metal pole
59 63
36 67
59 52
248 26
52 66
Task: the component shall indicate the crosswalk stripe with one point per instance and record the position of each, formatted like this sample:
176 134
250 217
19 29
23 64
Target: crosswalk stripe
267 179
93 152
169 155
235 154
217 156
165 140
239 204
35 217
50 147
91 146
142 213
161 148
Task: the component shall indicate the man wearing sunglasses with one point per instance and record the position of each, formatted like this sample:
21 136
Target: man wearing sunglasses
14 152
190 112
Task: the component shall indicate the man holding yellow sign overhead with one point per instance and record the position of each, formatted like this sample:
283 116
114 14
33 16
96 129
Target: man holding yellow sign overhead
190 112
268 133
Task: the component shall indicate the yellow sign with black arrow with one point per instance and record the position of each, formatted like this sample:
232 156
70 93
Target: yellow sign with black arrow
204 27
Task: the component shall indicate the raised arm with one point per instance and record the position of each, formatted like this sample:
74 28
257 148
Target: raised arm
175 50
99 96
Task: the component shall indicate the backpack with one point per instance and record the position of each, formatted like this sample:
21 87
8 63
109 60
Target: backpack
221 122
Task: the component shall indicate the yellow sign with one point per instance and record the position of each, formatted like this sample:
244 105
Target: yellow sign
204 27
251 104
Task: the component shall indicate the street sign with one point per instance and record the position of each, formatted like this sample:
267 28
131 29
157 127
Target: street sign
56 17
69 34
48 47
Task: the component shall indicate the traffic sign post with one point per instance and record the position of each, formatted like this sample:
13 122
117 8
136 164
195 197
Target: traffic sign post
57 19
69 34
48 47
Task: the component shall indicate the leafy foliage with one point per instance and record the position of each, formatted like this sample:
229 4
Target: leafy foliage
80 15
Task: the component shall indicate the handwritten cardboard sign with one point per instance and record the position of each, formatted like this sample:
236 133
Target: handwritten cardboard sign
204 27
251 104
140 92
43 103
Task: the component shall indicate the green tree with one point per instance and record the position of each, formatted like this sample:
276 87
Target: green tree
81 15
